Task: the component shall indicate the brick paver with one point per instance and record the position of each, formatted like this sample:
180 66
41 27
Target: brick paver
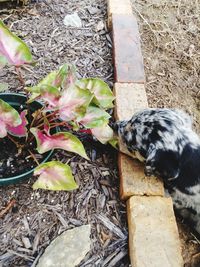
128 60
153 234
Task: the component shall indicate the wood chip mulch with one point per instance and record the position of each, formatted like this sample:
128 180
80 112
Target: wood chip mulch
30 220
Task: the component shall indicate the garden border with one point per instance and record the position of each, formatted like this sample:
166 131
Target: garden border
153 233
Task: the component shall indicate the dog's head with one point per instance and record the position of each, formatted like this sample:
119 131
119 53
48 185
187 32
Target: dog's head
159 135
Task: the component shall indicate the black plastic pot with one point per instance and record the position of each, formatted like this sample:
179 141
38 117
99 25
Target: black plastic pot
17 100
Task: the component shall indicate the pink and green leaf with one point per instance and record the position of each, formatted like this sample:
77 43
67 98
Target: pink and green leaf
52 83
103 94
104 134
21 129
54 175
3 130
59 76
94 117
8 117
13 48
50 94
61 140
45 82
66 76
73 103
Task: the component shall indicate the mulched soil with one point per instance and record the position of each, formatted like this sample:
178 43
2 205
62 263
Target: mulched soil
37 217
169 31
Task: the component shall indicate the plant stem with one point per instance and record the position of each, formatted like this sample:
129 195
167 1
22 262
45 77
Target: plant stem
33 156
39 111
54 113
9 137
21 79
53 125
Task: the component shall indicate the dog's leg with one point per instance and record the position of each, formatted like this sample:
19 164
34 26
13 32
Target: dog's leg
162 163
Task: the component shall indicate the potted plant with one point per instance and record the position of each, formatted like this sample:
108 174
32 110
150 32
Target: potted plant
32 129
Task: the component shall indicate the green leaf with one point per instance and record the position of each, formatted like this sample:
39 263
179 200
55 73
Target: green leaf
54 175
103 94
13 48
104 134
48 80
75 125
94 117
114 142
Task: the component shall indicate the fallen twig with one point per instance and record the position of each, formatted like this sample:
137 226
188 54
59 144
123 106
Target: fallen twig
11 203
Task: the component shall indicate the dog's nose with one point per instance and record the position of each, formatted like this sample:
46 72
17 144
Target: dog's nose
148 170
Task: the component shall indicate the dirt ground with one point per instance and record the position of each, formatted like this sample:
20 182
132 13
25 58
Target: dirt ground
170 44
40 216
169 32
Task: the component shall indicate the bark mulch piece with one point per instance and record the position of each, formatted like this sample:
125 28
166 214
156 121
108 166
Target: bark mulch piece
35 218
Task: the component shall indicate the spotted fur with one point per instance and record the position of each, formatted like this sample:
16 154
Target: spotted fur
164 138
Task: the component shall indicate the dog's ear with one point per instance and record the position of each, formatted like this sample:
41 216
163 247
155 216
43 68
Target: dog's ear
163 163
117 126
149 166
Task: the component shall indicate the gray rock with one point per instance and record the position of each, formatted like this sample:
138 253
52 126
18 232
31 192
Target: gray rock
68 249
72 20
93 10
100 26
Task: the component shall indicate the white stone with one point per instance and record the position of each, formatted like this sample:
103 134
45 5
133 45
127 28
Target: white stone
72 20
100 26
68 249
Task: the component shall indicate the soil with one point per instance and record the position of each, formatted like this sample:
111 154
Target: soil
17 160
169 32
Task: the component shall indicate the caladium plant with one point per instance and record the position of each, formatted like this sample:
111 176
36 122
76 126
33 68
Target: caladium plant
76 104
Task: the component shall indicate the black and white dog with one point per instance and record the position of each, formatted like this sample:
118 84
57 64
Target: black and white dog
164 139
